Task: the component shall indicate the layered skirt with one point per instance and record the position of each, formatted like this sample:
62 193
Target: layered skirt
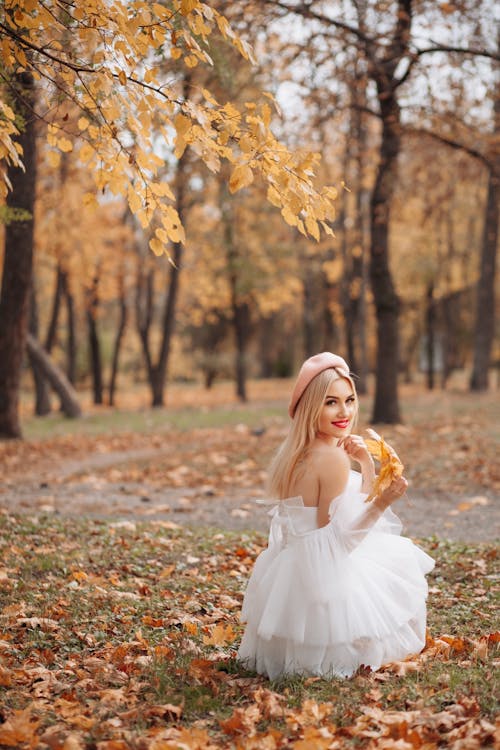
327 601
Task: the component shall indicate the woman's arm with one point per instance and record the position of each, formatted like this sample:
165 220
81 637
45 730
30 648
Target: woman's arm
359 527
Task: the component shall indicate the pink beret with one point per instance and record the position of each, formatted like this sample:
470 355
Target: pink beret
312 367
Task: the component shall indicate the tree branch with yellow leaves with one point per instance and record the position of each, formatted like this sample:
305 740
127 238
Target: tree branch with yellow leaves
111 59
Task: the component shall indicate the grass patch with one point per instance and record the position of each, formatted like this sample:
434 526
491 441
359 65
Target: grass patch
119 631
150 420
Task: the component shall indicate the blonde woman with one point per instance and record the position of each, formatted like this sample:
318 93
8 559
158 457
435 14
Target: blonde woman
337 587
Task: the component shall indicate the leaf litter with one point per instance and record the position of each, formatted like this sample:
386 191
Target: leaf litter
118 635
121 636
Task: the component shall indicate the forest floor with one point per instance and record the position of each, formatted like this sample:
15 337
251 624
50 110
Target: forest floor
203 460
127 539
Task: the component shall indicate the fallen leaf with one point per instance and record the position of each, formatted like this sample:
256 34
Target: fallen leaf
221 635
20 729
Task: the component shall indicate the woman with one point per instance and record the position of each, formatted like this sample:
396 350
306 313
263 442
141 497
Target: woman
337 588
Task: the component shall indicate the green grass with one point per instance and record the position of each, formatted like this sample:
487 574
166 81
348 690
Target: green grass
130 609
150 420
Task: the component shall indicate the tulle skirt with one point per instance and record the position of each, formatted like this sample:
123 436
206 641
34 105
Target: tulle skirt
328 601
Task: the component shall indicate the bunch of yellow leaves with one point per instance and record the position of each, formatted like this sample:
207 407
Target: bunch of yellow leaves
390 464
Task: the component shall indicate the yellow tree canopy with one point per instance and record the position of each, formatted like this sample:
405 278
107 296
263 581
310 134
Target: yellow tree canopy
118 62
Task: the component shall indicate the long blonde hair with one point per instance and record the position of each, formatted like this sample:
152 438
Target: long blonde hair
302 432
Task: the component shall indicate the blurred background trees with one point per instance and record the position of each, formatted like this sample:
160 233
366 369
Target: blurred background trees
400 98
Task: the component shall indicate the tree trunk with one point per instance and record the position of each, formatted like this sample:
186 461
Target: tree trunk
485 301
18 261
144 290
430 317
157 372
309 324
386 404
71 331
266 346
361 231
209 375
93 339
56 378
241 320
161 368
348 242
240 310
485 304
118 341
56 306
42 398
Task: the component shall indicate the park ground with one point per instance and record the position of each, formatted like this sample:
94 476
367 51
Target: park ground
127 538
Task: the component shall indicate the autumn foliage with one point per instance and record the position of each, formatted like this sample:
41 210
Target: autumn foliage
114 69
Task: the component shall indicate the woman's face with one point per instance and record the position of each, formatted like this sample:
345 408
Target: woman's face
338 412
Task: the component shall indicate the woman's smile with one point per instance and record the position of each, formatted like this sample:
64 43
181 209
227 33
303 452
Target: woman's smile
342 423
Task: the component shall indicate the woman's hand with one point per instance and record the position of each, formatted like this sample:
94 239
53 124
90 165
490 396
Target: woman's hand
355 447
393 492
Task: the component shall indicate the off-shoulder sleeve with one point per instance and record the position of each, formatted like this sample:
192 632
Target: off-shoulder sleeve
353 518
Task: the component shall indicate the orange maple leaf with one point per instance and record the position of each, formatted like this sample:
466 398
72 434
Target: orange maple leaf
390 464
221 635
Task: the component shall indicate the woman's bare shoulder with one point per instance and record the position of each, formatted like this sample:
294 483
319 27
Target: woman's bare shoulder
329 458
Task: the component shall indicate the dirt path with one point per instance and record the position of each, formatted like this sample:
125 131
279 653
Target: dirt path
100 484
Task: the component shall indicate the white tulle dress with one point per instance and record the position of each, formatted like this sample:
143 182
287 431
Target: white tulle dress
326 601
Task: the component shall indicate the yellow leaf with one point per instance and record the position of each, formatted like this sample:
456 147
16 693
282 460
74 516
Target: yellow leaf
221 636
175 53
191 61
86 153
162 189
188 5
156 246
54 158
289 216
271 97
208 96
312 228
266 114
246 143
182 124
134 201
301 227
223 25
327 229
122 77
65 145
241 177
273 196
172 225
83 123
390 464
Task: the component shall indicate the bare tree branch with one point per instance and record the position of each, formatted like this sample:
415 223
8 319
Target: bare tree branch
306 11
447 141
475 52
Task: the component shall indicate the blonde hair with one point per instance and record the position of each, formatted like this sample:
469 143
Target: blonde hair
302 433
